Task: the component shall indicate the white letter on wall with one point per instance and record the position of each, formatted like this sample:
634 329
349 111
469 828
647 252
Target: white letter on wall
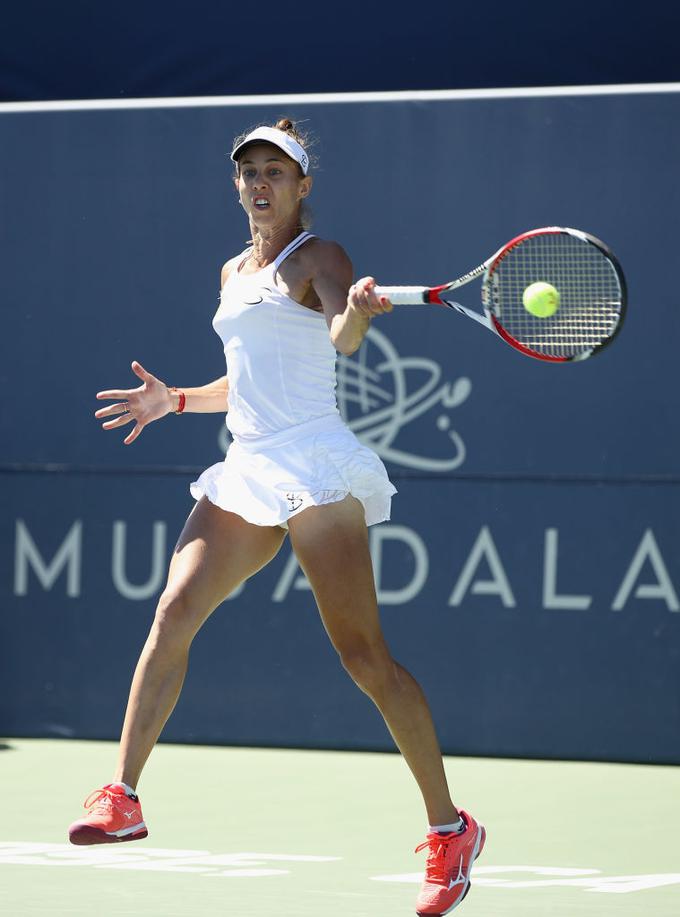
155 580
485 548
550 597
68 555
380 533
662 589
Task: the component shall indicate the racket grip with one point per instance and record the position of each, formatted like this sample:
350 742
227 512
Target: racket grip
403 296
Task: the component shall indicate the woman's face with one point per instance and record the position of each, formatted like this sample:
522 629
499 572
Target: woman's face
269 185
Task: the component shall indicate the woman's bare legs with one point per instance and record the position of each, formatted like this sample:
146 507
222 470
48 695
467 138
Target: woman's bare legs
331 544
216 551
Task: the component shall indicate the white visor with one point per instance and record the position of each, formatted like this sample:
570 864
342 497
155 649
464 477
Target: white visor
280 139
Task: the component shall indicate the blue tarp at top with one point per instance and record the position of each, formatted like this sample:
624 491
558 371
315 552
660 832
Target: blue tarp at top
79 49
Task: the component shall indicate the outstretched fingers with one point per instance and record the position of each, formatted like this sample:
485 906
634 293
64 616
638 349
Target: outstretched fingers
114 394
123 394
140 405
139 370
122 421
118 422
131 437
125 416
113 409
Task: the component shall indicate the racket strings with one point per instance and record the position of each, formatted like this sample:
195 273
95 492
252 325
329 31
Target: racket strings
590 294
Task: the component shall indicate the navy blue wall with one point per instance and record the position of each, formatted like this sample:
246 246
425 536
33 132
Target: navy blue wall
78 49
531 571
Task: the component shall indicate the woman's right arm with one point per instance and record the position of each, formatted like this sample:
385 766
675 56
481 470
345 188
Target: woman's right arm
211 398
153 399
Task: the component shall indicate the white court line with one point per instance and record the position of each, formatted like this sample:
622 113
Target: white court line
247 865
338 98
152 859
587 880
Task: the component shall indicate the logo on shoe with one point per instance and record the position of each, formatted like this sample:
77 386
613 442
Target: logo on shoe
460 878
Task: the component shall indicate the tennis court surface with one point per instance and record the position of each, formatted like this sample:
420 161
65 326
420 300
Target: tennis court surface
259 831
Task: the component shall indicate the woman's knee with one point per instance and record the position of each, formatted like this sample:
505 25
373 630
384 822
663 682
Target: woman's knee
369 665
177 618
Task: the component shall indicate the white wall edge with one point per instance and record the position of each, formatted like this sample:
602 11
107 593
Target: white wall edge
341 98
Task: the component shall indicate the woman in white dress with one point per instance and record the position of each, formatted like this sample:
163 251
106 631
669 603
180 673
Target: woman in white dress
288 303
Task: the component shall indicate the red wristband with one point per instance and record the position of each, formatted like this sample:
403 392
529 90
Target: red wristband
182 399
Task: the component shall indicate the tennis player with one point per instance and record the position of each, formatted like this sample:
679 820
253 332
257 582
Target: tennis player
287 305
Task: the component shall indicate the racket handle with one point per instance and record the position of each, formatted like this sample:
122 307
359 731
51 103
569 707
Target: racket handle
403 296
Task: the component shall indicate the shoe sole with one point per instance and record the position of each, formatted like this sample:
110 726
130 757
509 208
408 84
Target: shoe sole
85 835
480 847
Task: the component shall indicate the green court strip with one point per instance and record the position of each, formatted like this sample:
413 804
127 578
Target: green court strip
296 833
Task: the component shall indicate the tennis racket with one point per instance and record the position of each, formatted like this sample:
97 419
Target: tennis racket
585 273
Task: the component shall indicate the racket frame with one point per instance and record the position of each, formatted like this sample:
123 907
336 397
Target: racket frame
490 318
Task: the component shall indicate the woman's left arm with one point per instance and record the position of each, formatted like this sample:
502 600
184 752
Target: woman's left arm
348 307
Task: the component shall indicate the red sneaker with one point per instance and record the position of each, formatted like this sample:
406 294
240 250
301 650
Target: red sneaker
112 816
447 871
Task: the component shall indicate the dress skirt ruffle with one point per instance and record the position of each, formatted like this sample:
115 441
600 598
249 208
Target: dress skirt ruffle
270 478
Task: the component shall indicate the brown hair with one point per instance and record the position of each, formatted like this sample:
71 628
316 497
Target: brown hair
302 137
305 140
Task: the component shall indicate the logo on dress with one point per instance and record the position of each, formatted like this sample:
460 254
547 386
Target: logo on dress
294 502
254 300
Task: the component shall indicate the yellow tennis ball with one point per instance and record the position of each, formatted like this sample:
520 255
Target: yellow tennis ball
541 299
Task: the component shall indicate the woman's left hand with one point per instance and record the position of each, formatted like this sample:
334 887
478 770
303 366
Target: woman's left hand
363 300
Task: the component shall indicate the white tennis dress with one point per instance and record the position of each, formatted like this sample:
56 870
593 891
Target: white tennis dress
291 449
